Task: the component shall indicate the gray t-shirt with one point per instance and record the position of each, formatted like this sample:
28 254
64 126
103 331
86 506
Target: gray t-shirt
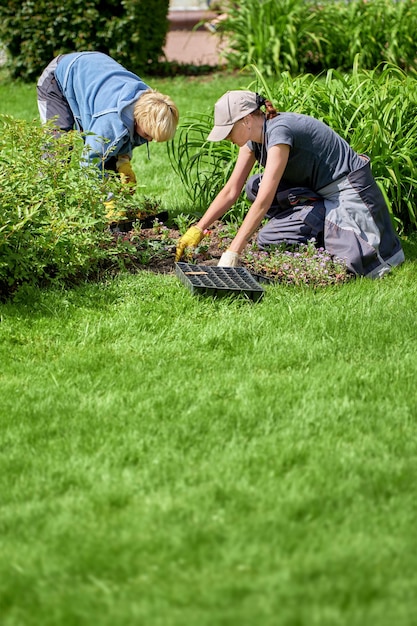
318 155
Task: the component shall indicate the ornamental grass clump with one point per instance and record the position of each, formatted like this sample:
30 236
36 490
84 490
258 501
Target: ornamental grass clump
300 36
298 265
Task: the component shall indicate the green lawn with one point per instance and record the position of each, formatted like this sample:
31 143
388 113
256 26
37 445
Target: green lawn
171 460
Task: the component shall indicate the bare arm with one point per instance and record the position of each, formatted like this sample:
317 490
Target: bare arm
275 165
230 192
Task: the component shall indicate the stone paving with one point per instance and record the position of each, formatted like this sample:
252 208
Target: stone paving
185 45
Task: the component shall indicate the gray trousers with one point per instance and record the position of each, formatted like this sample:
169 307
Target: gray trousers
52 104
349 218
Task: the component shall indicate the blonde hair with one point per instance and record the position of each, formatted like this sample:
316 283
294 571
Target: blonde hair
157 115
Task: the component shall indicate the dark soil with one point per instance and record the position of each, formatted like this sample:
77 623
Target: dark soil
152 247
161 259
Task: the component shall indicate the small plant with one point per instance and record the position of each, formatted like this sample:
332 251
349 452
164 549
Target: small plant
159 228
198 254
183 222
147 207
151 245
148 250
229 230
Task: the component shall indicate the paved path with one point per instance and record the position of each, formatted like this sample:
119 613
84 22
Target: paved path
195 48
185 45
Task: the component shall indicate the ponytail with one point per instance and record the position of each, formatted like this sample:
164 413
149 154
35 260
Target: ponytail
270 110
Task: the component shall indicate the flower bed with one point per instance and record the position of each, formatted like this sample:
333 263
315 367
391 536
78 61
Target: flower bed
153 248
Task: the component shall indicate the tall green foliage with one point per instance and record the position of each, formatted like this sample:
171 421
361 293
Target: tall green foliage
267 33
375 111
315 35
34 32
203 166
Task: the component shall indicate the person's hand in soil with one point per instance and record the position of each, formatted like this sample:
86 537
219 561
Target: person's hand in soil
192 238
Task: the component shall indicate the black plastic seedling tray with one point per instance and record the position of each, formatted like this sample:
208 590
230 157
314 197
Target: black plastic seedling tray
218 281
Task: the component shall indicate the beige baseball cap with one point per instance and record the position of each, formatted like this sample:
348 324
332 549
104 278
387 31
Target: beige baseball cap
230 108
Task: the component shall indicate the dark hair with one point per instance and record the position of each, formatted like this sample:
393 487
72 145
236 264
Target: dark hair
270 110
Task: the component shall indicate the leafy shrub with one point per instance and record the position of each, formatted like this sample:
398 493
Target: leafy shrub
35 32
138 36
298 35
375 111
53 224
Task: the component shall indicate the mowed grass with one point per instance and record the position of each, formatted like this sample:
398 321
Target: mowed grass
168 459
171 460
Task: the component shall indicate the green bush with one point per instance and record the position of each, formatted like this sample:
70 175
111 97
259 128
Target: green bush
35 32
137 37
375 111
315 35
53 224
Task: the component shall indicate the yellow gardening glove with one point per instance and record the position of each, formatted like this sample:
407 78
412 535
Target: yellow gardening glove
229 259
127 175
192 238
112 214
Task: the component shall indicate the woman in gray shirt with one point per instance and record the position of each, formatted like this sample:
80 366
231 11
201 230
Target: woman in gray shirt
314 185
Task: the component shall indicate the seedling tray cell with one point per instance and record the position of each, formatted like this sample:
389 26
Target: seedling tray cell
218 281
